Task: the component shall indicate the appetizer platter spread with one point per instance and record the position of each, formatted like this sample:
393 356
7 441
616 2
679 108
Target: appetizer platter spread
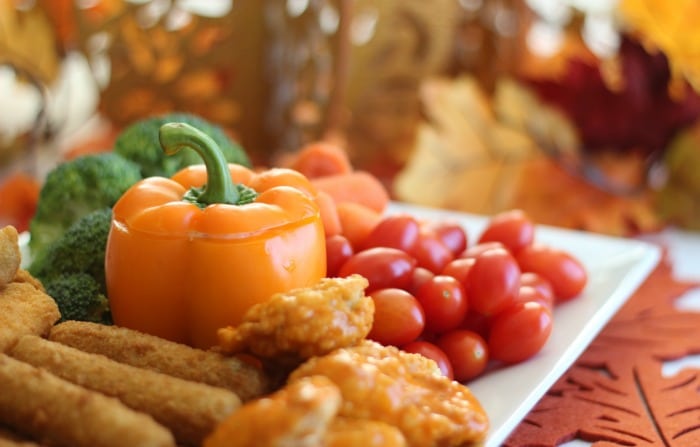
617 266
208 302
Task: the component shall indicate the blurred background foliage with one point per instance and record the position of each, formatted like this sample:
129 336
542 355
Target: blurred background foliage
475 105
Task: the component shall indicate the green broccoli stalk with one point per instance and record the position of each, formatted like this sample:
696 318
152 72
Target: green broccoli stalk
79 297
75 188
72 269
139 143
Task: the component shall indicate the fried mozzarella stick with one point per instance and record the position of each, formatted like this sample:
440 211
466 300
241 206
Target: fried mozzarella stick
189 409
150 352
24 309
63 414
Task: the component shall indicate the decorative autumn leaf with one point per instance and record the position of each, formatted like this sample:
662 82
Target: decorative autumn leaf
672 28
471 148
27 41
580 204
637 114
616 392
60 14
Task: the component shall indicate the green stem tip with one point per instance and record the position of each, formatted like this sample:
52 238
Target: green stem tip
219 187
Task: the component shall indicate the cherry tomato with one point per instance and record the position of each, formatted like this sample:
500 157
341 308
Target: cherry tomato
459 269
395 231
513 228
530 293
431 351
430 252
382 266
398 317
444 301
420 275
476 250
565 273
338 250
538 282
450 233
493 281
467 351
519 332
476 322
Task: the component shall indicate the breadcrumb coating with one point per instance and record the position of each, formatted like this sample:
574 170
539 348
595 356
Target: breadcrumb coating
408 391
304 322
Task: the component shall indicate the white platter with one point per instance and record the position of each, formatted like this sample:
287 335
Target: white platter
616 268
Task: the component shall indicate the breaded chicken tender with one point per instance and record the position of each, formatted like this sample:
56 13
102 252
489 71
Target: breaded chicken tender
298 415
25 310
37 403
24 306
23 276
304 322
157 354
189 409
11 439
351 432
405 390
15 443
10 256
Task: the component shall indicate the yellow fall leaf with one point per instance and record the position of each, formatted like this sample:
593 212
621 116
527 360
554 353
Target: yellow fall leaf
672 27
27 41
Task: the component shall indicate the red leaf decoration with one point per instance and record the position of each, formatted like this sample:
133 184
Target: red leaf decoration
641 115
615 394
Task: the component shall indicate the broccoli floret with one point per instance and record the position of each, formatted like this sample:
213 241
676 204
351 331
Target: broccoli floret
81 249
139 143
75 188
79 297
72 269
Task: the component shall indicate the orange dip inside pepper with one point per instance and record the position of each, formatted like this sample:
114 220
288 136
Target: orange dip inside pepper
191 254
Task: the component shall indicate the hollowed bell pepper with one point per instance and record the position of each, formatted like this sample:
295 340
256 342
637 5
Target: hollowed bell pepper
190 254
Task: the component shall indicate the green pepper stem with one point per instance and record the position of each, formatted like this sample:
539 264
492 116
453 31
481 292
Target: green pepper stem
219 187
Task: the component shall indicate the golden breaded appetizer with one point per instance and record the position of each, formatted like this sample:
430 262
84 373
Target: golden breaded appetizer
10 439
351 432
23 276
297 415
189 409
25 309
62 414
150 352
17 443
10 256
304 322
5 442
408 391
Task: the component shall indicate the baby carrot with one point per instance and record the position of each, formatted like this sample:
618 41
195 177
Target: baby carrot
357 186
357 221
329 213
320 159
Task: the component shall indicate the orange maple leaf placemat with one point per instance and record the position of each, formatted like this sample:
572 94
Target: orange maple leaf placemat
617 392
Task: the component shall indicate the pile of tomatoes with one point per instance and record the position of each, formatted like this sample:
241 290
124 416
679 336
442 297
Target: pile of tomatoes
468 305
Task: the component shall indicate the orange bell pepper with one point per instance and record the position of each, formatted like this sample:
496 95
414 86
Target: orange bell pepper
191 254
